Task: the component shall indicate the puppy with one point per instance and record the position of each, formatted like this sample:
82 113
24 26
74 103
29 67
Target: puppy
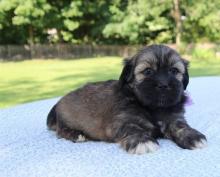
146 103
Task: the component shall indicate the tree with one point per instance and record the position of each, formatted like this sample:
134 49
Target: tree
140 21
28 14
109 22
83 21
178 21
202 19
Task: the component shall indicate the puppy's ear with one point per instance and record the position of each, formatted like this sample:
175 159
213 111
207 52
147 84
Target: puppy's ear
127 72
186 74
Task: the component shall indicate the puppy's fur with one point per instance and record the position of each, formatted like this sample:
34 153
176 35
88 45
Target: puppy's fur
146 102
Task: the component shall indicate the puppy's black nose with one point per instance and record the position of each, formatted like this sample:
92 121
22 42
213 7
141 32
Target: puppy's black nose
162 86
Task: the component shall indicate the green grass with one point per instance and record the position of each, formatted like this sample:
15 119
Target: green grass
204 67
30 80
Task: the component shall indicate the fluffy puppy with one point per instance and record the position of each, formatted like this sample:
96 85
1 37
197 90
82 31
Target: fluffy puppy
147 102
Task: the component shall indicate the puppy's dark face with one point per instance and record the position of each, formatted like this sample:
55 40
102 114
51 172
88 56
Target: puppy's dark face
157 76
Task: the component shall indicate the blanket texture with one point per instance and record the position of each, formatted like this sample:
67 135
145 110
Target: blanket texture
28 149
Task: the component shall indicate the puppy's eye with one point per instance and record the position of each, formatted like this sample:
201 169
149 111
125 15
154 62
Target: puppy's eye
174 71
148 71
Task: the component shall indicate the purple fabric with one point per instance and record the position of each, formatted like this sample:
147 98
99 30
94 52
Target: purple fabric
189 100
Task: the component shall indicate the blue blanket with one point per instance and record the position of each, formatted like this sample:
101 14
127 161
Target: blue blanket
28 149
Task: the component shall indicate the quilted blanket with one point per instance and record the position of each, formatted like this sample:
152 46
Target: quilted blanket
28 149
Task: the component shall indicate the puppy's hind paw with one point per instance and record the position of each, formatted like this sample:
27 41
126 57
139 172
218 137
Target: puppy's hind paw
81 138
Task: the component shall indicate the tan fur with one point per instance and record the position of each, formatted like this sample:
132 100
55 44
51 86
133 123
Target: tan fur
148 61
179 65
139 68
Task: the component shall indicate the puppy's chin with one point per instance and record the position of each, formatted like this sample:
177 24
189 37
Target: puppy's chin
159 102
164 102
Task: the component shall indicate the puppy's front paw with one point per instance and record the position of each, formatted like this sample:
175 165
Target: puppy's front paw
192 139
142 148
139 144
199 144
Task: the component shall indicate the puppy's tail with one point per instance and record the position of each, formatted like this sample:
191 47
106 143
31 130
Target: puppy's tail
52 119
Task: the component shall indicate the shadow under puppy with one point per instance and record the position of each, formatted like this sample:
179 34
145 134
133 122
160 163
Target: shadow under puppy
147 102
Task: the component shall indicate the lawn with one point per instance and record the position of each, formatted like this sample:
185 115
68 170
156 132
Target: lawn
30 80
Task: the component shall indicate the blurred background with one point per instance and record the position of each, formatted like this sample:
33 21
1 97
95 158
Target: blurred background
49 47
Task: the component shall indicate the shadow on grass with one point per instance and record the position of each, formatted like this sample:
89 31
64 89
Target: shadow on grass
23 91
